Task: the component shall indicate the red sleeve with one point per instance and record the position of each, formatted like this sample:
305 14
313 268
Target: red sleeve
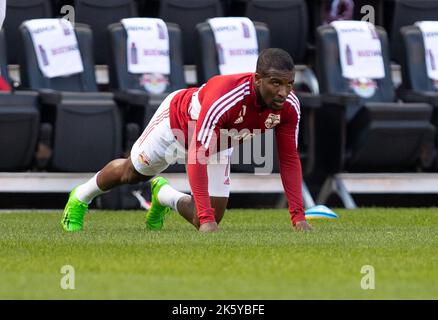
216 100
198 179
290 165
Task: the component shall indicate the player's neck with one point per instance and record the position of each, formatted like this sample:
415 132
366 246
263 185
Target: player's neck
259 99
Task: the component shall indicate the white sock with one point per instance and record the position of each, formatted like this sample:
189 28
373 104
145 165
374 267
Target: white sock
89 190
168 196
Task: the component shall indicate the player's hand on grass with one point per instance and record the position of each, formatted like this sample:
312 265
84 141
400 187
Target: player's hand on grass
303 226
208 227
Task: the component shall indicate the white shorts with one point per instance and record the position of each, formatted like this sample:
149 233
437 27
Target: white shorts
157 148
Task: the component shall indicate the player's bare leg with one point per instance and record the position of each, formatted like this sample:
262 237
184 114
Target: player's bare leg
119 172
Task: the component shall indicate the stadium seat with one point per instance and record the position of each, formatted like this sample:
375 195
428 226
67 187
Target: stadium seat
416 85
58 4
148 8
208 67
19 123
129 91
234 8
187 14
407 12
86 123
122 80
372 134
98 14
18 11
207 62
19 128
287 22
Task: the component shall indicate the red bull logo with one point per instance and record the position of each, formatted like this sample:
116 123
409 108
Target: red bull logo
154 83
363 87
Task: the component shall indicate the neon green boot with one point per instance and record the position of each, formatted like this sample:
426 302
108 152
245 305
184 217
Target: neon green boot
73 217
157 212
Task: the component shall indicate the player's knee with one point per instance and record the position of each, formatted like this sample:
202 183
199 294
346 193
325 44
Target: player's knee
130 174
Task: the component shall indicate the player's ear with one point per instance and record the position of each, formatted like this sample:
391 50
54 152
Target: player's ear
257 79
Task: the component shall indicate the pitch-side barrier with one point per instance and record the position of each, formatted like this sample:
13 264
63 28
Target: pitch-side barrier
54 182
346 184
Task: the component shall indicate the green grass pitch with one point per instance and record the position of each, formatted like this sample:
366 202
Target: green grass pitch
256 255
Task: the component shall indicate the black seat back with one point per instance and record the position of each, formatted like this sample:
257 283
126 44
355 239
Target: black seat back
287 22
187 14
84 122
3 55
19 123
33 78
208 65
329 69
416 84
18 11
407 12
372 134
88 134
19 127
413 62
98 14
121 79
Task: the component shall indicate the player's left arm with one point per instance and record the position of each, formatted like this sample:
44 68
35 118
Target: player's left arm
286 134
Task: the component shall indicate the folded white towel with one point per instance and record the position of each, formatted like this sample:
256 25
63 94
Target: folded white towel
56 47
236 44
2 12
360 50
429 29
147 45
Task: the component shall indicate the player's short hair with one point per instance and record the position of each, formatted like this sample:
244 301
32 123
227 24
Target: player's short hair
274 58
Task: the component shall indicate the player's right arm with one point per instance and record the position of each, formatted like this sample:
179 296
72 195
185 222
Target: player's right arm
216 100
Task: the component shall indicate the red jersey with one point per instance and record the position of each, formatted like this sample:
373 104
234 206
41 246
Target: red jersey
230 102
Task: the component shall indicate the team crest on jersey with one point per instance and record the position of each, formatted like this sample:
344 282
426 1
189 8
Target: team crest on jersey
143 158
272 120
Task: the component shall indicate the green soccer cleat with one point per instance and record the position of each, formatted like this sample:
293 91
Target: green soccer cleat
73 218
157 212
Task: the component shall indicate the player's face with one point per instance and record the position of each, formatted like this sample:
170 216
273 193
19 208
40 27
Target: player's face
274 86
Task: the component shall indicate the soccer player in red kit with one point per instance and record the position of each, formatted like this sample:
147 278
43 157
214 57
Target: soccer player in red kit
203 124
